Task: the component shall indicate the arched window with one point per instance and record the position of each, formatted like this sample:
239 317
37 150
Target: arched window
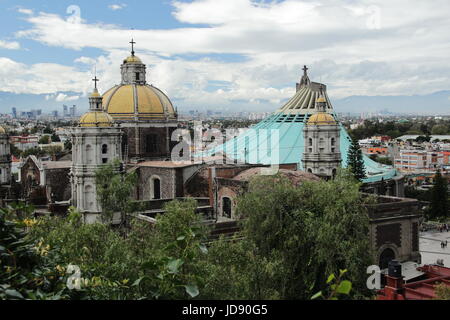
385 257
333 142
104 149
310 142
155 188
310 170
226 207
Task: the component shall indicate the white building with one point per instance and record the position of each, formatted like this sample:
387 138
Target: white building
95 142
322 155
5 158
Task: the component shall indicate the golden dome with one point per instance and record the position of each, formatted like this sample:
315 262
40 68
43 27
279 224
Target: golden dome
2 130
321 119
95 94
96 119
126 102
132 59
321 99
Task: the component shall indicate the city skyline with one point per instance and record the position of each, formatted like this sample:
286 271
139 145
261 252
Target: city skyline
228 57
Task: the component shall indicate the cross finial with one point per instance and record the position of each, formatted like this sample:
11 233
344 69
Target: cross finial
132 46
305 70
95 81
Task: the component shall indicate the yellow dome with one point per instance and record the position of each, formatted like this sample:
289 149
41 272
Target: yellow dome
321 118
96 119
132 59
321 99
125 102
95 94
2 130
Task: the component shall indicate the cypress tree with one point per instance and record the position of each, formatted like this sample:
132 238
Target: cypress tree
439 197
355 161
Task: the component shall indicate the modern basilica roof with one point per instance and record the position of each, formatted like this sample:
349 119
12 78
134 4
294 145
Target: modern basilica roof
278 139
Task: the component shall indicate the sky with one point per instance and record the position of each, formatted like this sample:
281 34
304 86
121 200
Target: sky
231 55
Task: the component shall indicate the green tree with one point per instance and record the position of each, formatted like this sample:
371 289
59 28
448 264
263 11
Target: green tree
114 190
33 151
44 140
15 151
355 161
68 145
55 138
26 269
52 150
173 270
48 130
439 198
439 129
292 238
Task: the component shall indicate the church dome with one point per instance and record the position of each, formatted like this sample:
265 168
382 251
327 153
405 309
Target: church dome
137 102
96 119
2 130
321 119
132 59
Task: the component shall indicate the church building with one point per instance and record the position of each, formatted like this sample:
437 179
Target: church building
96 141
143 111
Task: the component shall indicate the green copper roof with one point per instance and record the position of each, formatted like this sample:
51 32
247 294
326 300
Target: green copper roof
258 146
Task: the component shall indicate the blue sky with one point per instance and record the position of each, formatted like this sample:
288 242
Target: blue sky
224 54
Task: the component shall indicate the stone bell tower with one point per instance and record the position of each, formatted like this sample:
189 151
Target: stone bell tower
322 155
95 142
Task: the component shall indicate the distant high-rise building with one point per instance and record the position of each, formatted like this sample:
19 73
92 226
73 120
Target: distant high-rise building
65 111
73 110
14 113
55 114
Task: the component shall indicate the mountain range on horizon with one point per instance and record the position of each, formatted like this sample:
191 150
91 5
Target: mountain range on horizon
437 103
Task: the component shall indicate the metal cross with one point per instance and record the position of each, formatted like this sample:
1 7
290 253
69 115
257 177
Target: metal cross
95 81
305 70
132 46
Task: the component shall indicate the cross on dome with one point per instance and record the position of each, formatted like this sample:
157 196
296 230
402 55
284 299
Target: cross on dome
95 81
132 42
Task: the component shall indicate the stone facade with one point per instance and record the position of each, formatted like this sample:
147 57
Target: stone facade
394 229
148 140
322 156
5 160
91 148
172 180
44 182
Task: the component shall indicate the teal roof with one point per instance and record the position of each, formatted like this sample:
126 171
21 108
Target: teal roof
259 144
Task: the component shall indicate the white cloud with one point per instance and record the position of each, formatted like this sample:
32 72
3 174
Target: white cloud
61 97
25 11
369 47
41 78
116 7
13 45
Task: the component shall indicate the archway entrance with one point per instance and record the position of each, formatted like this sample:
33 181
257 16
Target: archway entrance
386 256
156 189
226 207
